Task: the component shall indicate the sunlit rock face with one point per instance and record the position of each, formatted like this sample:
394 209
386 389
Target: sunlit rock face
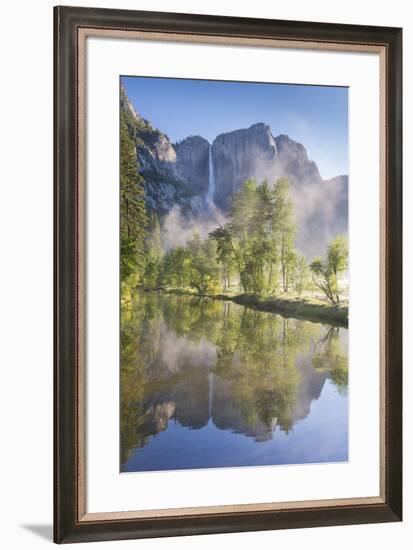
192 160
254 153
240 155
174 174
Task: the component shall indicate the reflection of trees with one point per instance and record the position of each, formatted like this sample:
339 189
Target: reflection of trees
190 359
192 317
258 356
151 393
131 375
329 356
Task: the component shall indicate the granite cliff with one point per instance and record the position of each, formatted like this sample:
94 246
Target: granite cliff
192 174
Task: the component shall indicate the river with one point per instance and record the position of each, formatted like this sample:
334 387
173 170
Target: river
208 383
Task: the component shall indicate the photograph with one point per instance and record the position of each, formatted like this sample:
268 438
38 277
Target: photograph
227 273
234 274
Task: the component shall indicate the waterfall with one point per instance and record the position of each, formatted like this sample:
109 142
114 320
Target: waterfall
211 180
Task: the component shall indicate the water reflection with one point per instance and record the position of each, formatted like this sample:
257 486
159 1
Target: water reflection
198 364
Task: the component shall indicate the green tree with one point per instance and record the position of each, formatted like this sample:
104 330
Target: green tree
260 234
337 258
300 274
330 355
176 267
153 265
227 249
153 233
153 252
284 228
132 208
204 273
326 272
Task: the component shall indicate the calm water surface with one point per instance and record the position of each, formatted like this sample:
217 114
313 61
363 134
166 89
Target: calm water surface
207 384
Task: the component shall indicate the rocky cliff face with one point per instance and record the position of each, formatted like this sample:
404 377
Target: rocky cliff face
174 174
192 163
254 153
179 175
294 162
241 155
127 106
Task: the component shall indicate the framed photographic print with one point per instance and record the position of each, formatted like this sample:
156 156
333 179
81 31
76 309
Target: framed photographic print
227 274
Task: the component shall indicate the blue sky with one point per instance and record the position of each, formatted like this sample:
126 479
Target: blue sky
316 116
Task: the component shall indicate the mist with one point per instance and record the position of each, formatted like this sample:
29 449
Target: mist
322 213
176 351
178 228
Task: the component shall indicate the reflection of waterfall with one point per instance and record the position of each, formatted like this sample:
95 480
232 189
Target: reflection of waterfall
254 381
211 180
210 393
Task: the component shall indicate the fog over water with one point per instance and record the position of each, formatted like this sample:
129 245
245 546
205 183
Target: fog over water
206 383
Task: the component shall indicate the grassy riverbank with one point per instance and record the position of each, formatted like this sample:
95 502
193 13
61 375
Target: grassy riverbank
302 308
310 309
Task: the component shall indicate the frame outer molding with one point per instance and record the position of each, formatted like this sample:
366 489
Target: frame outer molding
71 523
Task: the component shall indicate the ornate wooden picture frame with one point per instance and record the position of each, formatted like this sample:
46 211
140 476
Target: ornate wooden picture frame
72 521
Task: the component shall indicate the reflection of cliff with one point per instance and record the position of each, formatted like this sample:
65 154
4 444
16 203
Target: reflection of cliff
156 418
227 416
191 399
184 399
312 383
199 398
246 371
